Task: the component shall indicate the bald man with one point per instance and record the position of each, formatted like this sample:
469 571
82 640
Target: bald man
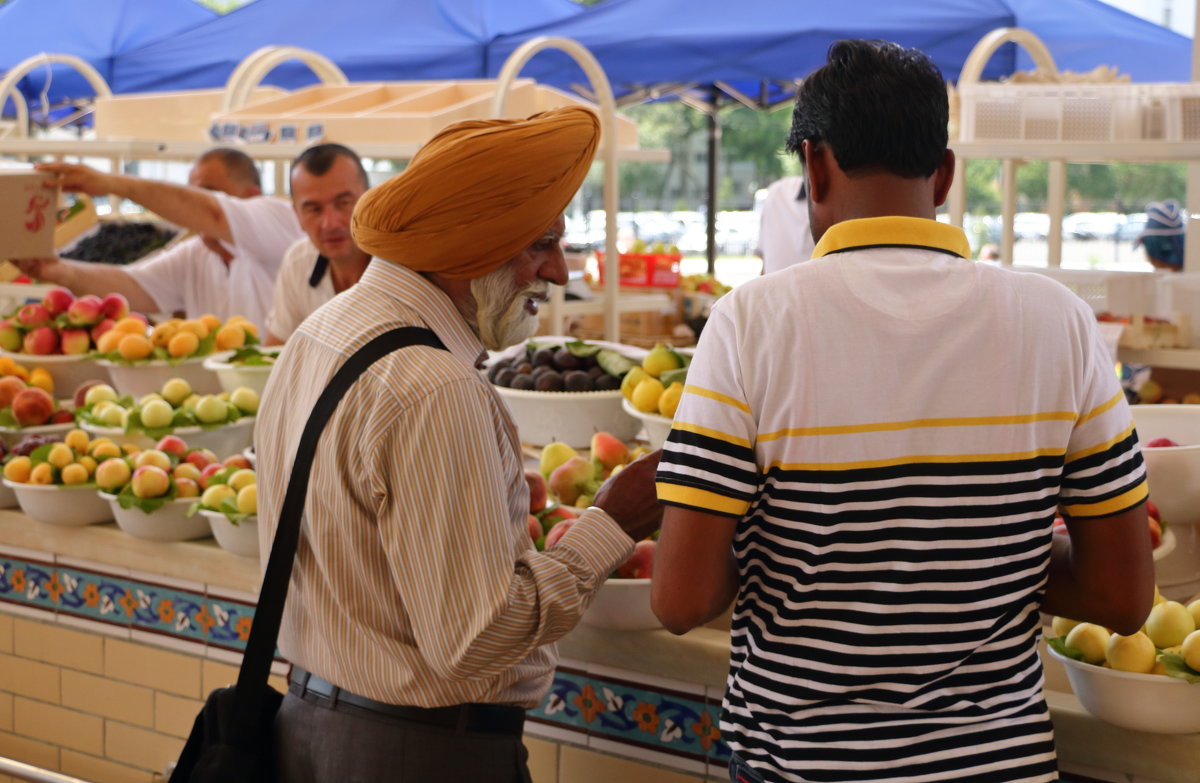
420 618
228 269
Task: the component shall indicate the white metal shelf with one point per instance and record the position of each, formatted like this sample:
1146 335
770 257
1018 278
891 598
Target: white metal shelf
1170 358
1080 151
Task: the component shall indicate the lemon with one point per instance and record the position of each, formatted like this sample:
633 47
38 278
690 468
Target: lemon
630 382
668 401
646 394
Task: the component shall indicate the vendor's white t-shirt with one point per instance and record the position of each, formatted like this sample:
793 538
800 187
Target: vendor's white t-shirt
192 278
783 235
304 283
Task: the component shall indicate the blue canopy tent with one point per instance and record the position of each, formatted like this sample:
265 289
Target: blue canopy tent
709 52
368 39
98 32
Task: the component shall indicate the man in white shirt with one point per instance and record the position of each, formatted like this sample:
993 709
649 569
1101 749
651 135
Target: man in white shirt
783 235
327 181
229 269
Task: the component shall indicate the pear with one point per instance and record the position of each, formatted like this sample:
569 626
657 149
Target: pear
553 455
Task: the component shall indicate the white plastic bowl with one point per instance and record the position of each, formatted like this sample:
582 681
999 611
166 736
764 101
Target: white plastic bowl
68 372
12 435
657 426
1166 545
1172 471
59 505
622 605
240 539
167 523
8 498
1152 703
226 440
231 376
149 376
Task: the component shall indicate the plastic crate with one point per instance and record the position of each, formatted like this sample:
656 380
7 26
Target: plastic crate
645 270
1106 291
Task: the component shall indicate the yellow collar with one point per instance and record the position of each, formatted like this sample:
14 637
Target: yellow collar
893 232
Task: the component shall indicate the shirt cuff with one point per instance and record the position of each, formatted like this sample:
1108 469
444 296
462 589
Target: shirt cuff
598 541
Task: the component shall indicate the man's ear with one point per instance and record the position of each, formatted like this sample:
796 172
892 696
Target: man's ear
943 178
816 169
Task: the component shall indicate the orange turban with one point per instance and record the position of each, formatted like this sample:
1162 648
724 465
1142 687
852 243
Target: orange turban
478 193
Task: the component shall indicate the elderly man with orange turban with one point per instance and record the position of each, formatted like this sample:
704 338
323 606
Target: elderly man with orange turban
420 618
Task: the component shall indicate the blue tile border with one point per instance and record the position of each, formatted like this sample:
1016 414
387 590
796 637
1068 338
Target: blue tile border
136 604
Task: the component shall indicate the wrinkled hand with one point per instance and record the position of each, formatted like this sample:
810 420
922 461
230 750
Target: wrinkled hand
630 498
77 178
38 268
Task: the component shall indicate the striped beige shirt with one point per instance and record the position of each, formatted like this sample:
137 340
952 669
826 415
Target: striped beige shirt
416 581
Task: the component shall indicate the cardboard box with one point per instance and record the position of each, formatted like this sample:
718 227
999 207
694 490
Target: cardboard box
28 214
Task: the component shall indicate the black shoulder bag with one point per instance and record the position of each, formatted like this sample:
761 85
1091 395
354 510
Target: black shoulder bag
232 739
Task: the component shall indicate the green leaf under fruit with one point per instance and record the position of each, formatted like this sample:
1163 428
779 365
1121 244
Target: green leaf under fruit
1059 644
41 453
1178 668
672 376
126 499
7 419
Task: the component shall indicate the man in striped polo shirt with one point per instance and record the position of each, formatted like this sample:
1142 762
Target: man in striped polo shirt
869 454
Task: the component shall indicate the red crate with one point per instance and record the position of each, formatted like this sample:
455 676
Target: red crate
657 270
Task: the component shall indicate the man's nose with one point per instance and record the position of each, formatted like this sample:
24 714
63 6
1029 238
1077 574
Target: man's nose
555 268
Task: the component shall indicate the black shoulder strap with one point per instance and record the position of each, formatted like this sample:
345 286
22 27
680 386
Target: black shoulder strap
260 648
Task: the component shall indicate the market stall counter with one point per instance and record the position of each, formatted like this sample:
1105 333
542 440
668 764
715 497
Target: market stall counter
108 644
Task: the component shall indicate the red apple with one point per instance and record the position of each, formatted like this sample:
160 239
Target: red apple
535 527
201 458
571 479
114 306
76 341
57 301
150 481
10 336
557 532
1152 511
78 399
32 315
173 444
608 450
101 328
552 518
41 341
1159 443
640 564
208 472
537 491
85 311
61 416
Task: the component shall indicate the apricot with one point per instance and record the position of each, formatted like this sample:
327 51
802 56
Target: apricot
130 325
17 469
230 337
109 341
195 327
42 473
77 440
134 347
60 455
74 474
211 321
183 344
162 334
42 379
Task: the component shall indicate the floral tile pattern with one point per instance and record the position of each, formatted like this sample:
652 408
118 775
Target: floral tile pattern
613 709
141 605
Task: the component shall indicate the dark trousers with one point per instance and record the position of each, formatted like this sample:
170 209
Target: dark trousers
317 743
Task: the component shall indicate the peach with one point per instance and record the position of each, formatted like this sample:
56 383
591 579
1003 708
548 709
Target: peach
74 474
32 314
101 329
609 451
17 469
114 306
640 564
571 479
134 347
238 461
557 532
85 311
201 458
32 407
57 300
213 496
10 387
230 337
208 472
150 481
76 341
42 473
187 488
158 459
105 450
242 478
134 323
535 527
41 341
186 470
183 344
10 336
112 474
110 340
173 444
537 491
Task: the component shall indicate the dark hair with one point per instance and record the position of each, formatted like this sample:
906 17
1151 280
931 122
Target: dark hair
318 159
240 166
878 105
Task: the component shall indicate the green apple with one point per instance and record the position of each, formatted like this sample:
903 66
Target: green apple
100 393
157 413
245 398
211 410
176 390
114 416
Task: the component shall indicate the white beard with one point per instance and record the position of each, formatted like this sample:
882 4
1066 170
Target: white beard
500 316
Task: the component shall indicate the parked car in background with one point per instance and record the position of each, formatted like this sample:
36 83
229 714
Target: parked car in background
1131 227
1091 225
1031 225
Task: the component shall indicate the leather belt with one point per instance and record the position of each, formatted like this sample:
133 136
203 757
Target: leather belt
486 718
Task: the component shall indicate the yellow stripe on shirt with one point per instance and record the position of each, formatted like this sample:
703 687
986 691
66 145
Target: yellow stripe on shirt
1099 447
708 432
701 499
917 460
892 426
691 388
1107 508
